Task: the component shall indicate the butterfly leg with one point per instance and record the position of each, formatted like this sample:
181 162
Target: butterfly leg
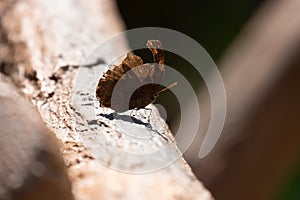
132 112
147 116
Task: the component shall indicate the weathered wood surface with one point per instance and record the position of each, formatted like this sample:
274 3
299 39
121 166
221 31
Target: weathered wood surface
44 44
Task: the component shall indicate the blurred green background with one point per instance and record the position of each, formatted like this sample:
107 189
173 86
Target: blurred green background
214 24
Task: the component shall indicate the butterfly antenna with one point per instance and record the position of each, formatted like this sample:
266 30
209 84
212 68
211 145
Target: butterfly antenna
166 88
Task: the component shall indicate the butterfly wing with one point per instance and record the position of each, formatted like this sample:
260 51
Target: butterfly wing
131 73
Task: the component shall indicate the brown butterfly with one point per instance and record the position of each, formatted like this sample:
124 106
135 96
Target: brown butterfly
131 72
